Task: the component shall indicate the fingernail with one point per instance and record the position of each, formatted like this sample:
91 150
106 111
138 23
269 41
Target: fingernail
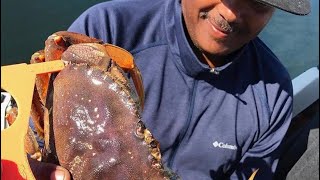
58 175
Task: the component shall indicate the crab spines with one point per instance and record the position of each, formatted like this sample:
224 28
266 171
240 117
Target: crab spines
153 145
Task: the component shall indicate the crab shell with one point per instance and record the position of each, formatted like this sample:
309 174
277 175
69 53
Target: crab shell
89 114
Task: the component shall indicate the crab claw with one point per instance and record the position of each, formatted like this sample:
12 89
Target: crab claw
61 40
125 60
58 42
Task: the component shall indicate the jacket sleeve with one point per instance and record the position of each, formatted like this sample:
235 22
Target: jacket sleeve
265 152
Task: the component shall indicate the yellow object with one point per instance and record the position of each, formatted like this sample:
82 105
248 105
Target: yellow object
19 81
253 174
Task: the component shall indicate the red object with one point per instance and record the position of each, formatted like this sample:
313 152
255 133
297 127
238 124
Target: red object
9 170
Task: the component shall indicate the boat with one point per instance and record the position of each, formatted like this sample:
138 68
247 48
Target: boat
300 158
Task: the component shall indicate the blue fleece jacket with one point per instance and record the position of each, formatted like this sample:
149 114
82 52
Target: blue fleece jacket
209 125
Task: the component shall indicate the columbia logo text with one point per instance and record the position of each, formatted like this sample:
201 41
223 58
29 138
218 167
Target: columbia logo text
223 145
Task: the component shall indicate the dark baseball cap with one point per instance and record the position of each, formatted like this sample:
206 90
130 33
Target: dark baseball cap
298 7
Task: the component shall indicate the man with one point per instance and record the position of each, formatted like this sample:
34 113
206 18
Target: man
217 99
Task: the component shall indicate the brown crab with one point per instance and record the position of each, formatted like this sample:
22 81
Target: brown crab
89 114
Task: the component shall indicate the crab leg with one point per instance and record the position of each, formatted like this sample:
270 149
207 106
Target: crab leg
56 44
137 80
39 95
125 60
30 143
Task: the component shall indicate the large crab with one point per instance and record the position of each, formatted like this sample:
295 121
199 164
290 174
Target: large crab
89 115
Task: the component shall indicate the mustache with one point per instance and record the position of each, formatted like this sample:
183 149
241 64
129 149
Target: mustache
219 21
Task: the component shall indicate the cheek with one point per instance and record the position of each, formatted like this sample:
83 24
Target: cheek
191 22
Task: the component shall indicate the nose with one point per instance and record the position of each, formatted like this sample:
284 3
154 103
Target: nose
231 10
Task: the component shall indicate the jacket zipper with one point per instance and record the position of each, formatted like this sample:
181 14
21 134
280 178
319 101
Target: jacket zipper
185 127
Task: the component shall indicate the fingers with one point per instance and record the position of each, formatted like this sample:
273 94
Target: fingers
45 171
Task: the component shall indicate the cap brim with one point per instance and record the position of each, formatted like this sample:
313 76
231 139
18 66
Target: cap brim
298 7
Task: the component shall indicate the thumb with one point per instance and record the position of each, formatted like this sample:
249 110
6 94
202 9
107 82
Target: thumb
43 170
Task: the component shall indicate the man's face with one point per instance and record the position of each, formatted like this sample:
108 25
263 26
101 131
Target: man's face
219 27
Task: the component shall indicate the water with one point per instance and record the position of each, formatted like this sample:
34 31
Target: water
294 39
26 24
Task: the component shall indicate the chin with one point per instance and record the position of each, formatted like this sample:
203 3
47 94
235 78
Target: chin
218 51
213 47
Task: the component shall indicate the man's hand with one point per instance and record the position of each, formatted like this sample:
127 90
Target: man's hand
42 171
